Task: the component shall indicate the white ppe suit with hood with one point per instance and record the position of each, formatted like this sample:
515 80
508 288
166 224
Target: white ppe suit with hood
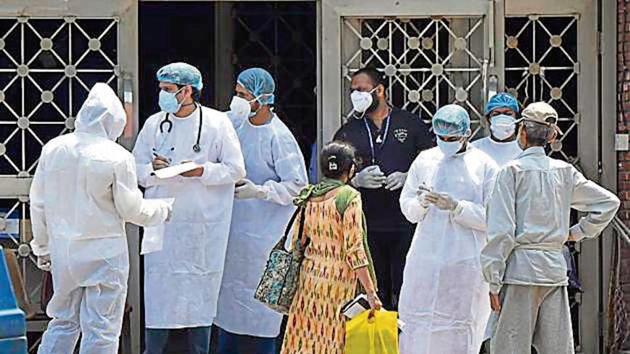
275 164
444 298
83 192
182 281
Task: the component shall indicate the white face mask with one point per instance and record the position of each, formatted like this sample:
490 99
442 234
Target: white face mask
361 101
502 126
240 108
449 148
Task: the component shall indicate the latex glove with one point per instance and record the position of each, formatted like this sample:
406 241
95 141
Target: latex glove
442 201
495 302
246 189
370 178
395 181
43 263
159 162
422 192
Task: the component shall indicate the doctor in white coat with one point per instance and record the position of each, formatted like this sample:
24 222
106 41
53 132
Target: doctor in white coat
182 281
264 204
83 192
443 300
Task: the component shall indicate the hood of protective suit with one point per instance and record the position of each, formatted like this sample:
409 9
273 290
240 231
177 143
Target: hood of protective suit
102 114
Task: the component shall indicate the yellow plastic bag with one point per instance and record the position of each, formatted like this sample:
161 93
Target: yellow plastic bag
372 335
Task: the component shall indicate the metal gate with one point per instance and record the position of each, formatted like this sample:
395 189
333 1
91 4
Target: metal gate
435 53
49 59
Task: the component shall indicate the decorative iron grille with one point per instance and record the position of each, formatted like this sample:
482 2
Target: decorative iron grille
541 65
47 66
427 62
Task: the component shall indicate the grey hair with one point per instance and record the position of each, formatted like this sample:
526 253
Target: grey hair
537 134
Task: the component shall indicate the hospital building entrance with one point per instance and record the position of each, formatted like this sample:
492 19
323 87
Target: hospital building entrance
431 53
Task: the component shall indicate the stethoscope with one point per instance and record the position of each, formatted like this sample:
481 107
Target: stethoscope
169 124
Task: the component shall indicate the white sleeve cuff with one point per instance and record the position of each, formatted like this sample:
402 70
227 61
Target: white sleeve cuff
576 232
495 288
458 209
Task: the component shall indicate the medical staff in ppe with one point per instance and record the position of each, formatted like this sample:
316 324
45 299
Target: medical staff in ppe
443 299
182 281
529 216
264 204
501 114
83 192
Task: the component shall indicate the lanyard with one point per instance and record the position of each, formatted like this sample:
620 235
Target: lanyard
369 131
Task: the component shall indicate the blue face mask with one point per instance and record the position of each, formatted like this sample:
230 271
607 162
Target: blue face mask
168 101
449 148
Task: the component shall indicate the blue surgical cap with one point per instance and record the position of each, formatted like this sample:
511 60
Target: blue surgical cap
259 83
502 100
180 74
451 120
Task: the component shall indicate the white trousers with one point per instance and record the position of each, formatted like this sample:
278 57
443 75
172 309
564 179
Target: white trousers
90 287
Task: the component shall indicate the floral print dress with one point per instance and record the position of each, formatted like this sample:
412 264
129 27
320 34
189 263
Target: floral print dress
327 278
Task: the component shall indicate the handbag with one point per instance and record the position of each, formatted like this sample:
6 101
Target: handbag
279 281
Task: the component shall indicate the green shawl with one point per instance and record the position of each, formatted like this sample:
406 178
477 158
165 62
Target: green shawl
342 201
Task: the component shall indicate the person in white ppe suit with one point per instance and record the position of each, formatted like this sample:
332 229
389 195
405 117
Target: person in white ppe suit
182 281
443 299
501 145
528 223
83 192
264 204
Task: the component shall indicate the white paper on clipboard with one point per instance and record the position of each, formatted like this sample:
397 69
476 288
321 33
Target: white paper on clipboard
153 239
176 170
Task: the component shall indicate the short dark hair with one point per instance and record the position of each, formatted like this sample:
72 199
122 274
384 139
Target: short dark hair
375 76
337 159
537 134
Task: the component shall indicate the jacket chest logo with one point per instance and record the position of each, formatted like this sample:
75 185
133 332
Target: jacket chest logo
401 134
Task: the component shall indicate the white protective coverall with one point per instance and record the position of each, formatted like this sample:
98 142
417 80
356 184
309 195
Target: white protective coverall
182 281
83 192
273 160
501 153
444 299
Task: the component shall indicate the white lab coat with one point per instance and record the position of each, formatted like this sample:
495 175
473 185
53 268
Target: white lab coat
274 161
501 153
444 299
83 192
181 282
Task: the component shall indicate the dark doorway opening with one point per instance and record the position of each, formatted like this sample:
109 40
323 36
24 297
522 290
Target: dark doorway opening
171 32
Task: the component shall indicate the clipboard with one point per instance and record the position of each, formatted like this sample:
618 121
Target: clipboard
170 172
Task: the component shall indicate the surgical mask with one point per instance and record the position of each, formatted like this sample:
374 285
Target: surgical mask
449 148
168 101
362 101
502 126
241 108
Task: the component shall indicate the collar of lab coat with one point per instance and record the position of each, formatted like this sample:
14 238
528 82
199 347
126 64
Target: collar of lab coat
533 151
